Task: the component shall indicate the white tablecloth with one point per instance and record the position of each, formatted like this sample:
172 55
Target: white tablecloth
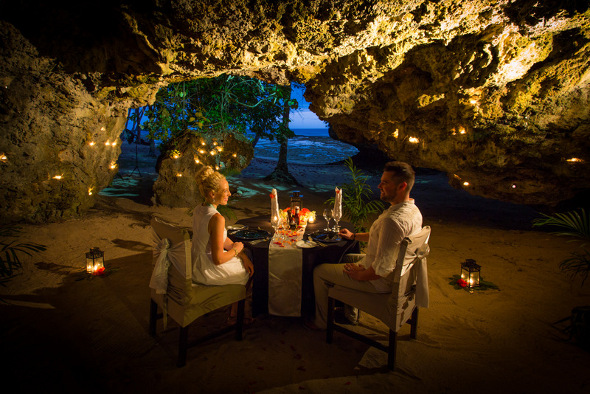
284 275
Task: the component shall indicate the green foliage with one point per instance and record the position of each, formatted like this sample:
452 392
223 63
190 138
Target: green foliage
357 202
571 224
10 251
216 106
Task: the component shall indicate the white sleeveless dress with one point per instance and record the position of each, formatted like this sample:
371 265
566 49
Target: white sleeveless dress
204 270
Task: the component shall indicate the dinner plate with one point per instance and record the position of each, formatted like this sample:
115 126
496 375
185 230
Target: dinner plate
250 234
306 244
326 237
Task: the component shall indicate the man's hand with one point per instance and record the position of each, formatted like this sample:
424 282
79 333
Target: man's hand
346 233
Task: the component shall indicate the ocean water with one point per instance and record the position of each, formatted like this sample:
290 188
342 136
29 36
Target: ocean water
306 149
323 132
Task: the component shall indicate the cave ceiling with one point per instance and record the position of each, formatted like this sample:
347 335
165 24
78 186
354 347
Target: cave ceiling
494 93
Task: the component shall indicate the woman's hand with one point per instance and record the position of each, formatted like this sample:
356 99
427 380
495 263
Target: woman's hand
247 264
238 247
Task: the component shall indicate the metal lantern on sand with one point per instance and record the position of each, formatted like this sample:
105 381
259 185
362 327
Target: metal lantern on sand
470 273
95 261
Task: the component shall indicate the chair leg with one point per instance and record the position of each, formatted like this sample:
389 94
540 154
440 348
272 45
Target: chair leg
153 317
414 324
240 319
182 345
330 327
392 350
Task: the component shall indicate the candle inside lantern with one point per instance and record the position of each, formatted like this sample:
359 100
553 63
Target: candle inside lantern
470 273
95 262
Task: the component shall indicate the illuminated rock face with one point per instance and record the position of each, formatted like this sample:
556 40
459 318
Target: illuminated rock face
495 93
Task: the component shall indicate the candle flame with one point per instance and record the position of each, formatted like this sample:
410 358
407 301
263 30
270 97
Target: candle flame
102 128
575 160
107 143
179 174
212 153
197 161
219 148
90 191
396 133
235 155
413 140
91 143
58 177
113 165
462 130
114 143
465 183
175 156
201 151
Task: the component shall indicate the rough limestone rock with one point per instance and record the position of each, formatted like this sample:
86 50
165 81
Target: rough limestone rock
495 93
176 185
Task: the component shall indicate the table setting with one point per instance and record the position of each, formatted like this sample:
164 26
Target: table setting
286 246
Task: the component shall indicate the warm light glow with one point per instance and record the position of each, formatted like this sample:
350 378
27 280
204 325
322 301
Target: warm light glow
90 191
465 183
197 161
107 143
92 143
58 177
176 156
235 155
102 128
203 143
113 165
219 148
453 132
473 101
214 143
396 133
201 151
575 160
217 168
3 157
413 140
114 143
179 174
462 130
513 186
212 153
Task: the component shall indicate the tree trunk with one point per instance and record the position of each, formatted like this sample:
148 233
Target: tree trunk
281 171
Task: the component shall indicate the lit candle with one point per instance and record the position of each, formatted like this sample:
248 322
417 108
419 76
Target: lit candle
465 183
413 140
575 160
58 177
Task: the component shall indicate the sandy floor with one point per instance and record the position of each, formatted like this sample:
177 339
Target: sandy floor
64 331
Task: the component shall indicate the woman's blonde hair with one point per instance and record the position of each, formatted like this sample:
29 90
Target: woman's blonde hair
208 180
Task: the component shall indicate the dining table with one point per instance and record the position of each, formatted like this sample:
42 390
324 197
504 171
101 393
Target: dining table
283 270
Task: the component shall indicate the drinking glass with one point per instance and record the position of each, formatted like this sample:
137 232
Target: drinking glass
275 222
327 215
336 215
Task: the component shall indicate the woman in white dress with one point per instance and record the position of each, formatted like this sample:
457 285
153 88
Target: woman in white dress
216 259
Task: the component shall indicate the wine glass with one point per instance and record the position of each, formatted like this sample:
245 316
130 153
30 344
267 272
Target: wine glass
275 222
327 215
336 215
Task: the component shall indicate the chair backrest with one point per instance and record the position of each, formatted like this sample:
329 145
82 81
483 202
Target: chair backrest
179 255
413 250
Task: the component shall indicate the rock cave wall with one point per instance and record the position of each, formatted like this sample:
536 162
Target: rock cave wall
495 93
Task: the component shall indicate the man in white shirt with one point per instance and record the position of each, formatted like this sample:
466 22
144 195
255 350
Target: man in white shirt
371 273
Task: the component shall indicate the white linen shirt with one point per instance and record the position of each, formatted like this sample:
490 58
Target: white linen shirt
385 236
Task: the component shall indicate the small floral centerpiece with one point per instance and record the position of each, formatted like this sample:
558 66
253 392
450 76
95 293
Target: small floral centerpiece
305 215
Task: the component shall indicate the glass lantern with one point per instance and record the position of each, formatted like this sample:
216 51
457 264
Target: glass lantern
470 273
95 261
296 197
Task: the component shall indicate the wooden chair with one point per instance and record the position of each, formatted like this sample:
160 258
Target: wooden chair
184 301
395 308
